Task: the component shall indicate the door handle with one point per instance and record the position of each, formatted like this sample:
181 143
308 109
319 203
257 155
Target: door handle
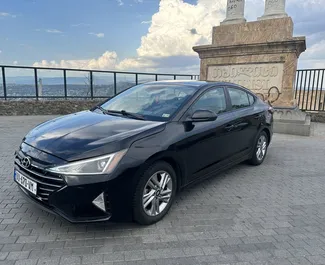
229 127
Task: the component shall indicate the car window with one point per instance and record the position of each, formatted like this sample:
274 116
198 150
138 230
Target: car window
213 100
152 101
251 99
239 98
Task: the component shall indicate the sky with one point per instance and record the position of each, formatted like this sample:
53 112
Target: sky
134 35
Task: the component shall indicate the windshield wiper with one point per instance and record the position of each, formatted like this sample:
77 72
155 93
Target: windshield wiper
101 109
126 113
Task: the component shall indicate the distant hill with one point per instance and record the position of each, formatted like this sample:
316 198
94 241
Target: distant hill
26 80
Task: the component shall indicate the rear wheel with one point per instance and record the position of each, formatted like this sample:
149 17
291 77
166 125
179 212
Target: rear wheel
260 149
154 193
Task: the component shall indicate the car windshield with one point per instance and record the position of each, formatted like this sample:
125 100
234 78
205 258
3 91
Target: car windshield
152 101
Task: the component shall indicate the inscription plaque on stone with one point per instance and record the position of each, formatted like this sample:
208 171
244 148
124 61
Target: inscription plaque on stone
259 78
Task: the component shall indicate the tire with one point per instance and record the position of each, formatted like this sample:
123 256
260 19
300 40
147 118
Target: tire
262 140
144 212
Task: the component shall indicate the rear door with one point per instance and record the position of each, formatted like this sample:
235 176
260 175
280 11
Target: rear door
246 118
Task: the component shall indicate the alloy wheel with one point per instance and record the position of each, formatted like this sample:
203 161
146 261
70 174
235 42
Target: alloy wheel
261 147
157 193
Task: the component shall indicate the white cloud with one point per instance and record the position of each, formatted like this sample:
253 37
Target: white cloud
0 51
120 2
172 27
53 31
98 35
310 4
146 22
107 61
5 14
316 51
80 25
15 62
136 64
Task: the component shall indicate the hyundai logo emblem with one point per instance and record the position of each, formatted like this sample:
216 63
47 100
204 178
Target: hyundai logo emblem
26 162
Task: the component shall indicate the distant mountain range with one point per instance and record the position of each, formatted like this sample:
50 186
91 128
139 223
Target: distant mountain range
29 80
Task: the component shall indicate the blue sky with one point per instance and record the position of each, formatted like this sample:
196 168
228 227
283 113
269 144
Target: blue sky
20 40
142 35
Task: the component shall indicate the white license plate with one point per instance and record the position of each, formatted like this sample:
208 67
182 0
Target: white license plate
25 182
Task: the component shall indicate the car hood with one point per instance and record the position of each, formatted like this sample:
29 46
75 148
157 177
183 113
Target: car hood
87 134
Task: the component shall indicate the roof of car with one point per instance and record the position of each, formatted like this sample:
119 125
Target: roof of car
180 82
194 83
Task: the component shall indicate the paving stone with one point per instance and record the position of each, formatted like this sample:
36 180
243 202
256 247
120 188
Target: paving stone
49 261
299 261
27 262
18 255
92 259
67 260
3 255
191 251
317 259
164 253
114 257
12 247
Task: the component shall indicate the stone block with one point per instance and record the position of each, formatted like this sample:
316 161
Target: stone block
263 31
292 121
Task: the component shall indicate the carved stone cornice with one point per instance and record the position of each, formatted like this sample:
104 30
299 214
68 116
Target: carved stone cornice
297 45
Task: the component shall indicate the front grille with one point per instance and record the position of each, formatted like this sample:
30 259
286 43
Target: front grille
46 181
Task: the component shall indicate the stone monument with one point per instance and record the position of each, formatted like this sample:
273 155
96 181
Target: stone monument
261 56
274 9
235 12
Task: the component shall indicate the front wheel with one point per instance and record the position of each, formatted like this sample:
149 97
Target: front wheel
260 149
154 193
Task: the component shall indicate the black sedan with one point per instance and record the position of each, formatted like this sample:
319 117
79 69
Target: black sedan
126 159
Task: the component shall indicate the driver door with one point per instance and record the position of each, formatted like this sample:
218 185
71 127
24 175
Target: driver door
208 143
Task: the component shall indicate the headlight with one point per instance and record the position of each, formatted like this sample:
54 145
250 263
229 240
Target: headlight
94 166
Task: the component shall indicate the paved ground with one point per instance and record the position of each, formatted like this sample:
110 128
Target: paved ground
272 214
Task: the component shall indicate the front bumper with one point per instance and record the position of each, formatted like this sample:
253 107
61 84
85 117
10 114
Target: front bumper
74 204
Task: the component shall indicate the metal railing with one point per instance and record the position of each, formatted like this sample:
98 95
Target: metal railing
310 89
24 82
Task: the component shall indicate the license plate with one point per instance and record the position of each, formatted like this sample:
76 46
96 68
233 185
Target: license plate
25 182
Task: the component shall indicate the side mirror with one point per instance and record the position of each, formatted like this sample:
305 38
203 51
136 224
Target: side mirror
203 115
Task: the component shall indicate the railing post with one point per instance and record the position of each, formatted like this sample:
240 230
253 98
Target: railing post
91 85
115 89
156 77
174 77
315 101
323 72
303 95
296 84
312 91
36 83
4 82
65 83
300 86
136 79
